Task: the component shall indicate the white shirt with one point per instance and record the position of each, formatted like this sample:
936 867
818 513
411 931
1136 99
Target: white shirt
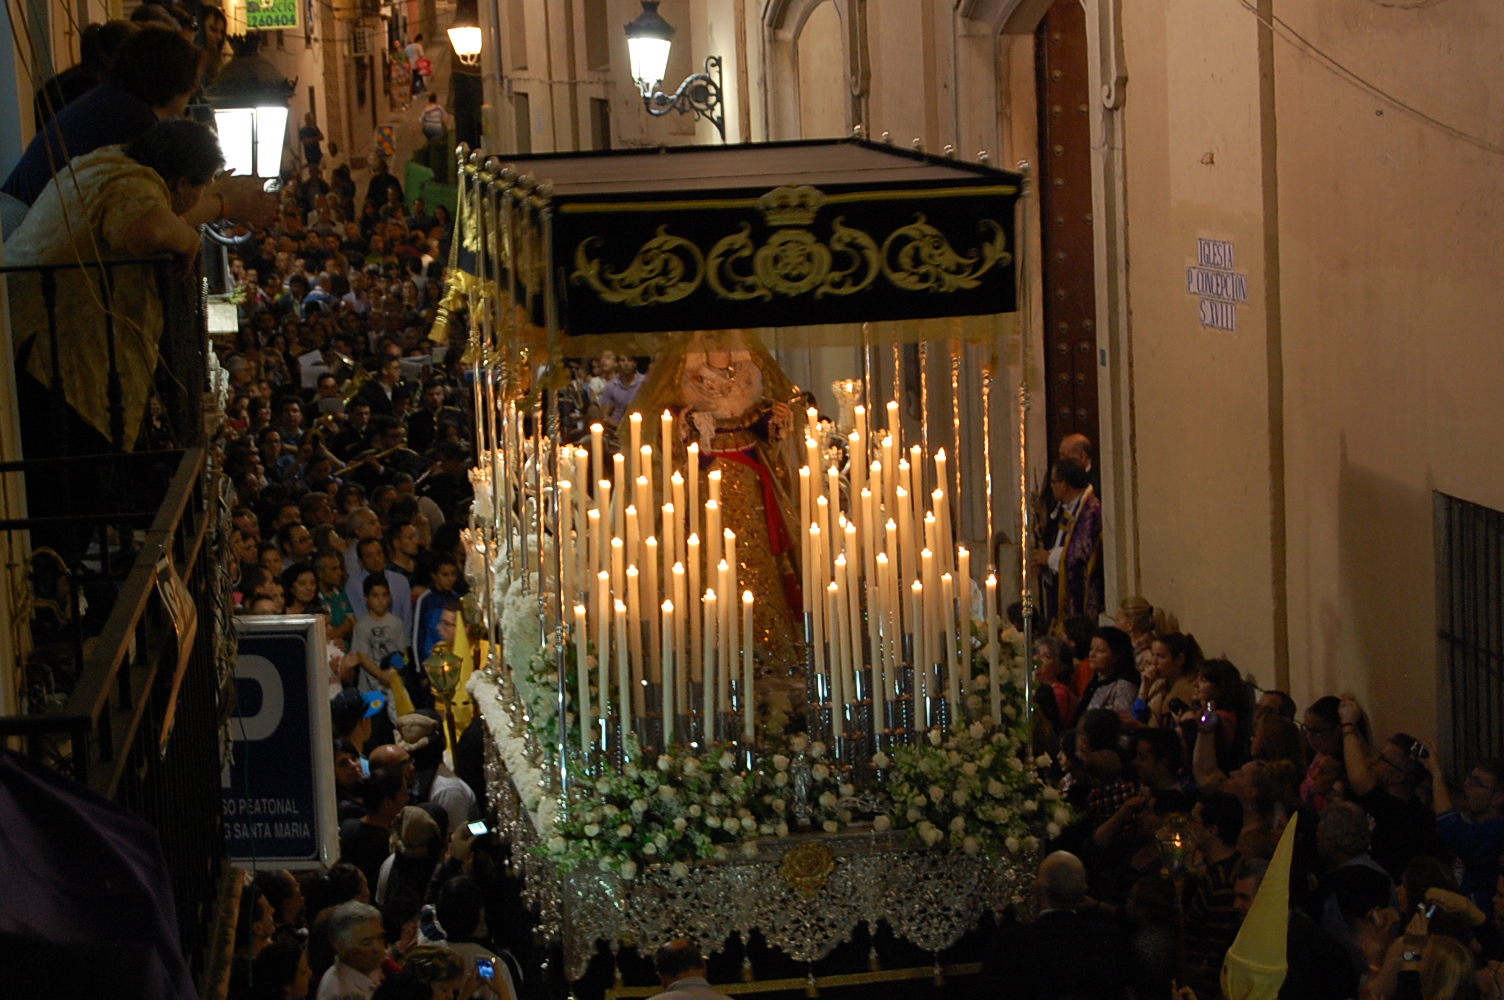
341 981
1068 513
456 798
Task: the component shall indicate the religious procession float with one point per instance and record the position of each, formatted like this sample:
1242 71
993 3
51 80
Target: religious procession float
743 673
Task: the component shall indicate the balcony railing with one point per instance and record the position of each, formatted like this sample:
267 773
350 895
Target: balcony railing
125 680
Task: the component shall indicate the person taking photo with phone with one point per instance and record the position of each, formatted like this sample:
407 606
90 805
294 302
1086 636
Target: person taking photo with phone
1472 826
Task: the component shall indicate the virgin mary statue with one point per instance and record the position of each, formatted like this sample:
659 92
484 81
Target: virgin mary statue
729 395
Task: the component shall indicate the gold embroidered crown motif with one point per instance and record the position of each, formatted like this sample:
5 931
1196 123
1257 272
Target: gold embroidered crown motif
791 205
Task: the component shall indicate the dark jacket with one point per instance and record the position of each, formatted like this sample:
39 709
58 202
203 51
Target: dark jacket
1043 960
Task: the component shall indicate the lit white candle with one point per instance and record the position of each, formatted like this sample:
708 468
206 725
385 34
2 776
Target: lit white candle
833 489
853 592
582 676
644 507
681 650
916 615
940 504
812 422
644 481
669 548
908 560
597 452
916 470
666 444
817 600
650 601
634 636
692 549
597 545
890 472
603 643
812 459
932 534
709 622
603 506
727 632
882 674
837 654
806 501
634 535
624 686
634 426
618 567
619 494
666 669
713 537
677 492
948 636
747 640
714 481
992 650
692 473
931 621
728 540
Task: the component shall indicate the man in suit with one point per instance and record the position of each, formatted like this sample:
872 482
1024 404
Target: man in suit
681 969
1043 960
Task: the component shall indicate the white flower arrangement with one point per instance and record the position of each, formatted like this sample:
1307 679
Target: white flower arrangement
674 810
828 798
972 791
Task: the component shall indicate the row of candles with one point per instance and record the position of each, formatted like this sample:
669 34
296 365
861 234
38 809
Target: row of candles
660 604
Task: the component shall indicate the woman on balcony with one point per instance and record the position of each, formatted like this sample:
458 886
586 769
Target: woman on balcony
118 201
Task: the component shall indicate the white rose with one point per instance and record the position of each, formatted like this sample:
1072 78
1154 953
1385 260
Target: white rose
678 869
629 870
847 791
639 806
1053 829
820 771
954 758
1043 760
766 829
828 800
680 824
661 839
1050 794
1002 815
1030 806
1010 711
603 786
1031 842
932 836
912 815
779 805
881 760
625 830
667 792
998 739
783 829
650 848
844 814
727 762
557 844
936 738
969 768
1015 764
592 830
691 767
1061 815
721 854
817 749
957 824
695 810
970 845
780 762
958 796
799 743
748 823
1011 844
881 824
664 763
918 800
831 826
717 799
713 821
995 788
610 810
781 778
937 794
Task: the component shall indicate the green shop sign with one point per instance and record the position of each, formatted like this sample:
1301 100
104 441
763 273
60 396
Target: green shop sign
271 15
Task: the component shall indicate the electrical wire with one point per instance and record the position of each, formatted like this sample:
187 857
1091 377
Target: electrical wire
1279 27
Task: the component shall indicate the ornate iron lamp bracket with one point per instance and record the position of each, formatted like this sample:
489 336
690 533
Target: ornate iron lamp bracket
700 94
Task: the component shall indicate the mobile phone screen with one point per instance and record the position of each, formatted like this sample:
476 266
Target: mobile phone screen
486 968
478 828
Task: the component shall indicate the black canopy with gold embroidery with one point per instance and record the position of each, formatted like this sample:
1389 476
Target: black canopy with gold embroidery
774 234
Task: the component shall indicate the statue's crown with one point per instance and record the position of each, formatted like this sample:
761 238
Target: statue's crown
793 205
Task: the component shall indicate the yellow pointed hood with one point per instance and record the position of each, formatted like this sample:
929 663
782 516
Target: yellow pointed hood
1255 966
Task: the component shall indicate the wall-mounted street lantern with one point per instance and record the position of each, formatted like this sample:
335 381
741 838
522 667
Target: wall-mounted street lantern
464 33
649 39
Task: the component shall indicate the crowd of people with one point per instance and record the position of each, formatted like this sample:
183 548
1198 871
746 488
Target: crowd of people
1395 888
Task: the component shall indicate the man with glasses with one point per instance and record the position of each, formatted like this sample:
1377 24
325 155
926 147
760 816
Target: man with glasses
1384 785
1473 827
